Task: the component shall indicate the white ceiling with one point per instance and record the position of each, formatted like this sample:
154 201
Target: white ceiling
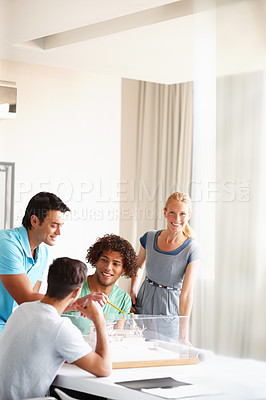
154 40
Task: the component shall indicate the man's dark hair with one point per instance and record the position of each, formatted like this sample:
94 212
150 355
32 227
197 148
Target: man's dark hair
114 243
40 204
65 275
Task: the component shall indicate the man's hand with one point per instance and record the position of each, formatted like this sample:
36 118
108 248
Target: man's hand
101 298
92 311
97 362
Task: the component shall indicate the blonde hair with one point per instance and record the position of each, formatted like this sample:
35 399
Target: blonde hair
184 198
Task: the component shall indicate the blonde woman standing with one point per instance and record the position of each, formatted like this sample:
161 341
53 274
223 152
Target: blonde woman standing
172 259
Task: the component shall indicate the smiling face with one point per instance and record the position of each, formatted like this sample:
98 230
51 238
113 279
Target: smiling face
109 268
177 215
49 229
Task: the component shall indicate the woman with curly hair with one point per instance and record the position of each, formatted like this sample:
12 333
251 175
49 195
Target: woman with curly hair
112 256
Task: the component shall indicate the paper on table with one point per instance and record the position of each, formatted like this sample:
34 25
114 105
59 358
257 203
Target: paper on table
181 392
166 382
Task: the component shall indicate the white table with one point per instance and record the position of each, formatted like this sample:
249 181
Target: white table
234 378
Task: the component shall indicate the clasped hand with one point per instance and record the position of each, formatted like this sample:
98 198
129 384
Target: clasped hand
100 298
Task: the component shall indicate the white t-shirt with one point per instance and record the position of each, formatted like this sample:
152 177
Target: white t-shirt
34 344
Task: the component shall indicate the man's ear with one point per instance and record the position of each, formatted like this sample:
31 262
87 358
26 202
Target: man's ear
34 220
76 292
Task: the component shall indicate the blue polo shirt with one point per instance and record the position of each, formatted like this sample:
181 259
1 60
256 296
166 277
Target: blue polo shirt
16 258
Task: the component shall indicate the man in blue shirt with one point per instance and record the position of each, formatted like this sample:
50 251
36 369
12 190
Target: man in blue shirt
24 252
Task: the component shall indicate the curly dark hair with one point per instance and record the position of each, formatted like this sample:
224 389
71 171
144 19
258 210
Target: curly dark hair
112 242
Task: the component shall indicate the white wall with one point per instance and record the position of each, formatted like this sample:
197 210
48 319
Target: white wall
66 139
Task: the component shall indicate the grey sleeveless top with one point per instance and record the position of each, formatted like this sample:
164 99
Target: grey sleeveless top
167 269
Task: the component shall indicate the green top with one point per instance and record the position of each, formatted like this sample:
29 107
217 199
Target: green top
118 298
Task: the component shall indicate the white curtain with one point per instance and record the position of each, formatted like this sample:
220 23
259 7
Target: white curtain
240 272
229 312
164 146
157 140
